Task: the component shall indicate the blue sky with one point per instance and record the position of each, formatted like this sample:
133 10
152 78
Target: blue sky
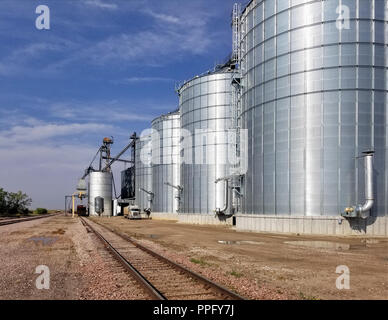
105 68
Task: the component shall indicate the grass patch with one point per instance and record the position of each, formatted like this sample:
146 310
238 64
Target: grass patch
236 274
40 211
200 261
306 297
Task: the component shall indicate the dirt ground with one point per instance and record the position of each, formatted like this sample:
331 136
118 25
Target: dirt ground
258 266
79 266
269 266
28 245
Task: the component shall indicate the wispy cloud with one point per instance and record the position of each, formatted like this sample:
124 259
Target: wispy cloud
144 79
102 4
45 158
28 57
47 142
149 48
46 173
163 17
174 32
109 111
46 131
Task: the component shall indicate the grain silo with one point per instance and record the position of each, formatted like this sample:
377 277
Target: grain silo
100 193
165 164
143 173
314 98
205 121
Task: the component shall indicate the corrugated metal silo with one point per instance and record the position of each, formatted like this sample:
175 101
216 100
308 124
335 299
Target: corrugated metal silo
165 162
314 98
206 119
100 185
143 170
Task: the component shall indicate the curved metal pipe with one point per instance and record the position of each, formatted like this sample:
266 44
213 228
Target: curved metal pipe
226 205
369 197
363 210
149 199
236 195
178 194
178 200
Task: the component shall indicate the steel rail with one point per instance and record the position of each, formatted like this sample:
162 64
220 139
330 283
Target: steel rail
13 221
219 288
127 265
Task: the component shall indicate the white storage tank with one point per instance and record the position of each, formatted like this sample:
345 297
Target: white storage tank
166 163
143 172
205 104
314 98
100 186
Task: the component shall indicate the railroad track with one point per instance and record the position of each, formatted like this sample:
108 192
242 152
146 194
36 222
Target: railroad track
162 278
17 220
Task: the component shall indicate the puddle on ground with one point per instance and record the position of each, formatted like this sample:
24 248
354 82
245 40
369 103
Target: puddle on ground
45 240
228 242
320 244
251 242
239 242
141 235
59 231
370 241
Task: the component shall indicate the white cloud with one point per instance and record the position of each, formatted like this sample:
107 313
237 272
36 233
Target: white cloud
45 173
24 60
40 132
110 111
145 79
149 48
45 160
164 17
174 31
180 33
48 173
101 4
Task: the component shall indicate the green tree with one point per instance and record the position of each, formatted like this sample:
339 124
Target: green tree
13 203
3 201
17 202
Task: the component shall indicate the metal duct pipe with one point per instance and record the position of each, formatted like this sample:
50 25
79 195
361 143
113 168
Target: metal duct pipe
236 199
369 197
363 210
115 207
149 198
223 210
178 200
177 196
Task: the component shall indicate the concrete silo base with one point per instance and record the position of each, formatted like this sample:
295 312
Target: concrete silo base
338 226
204 219
209 219
318 225
164 216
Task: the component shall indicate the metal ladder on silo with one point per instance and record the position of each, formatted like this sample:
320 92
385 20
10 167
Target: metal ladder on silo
238 53
236 78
